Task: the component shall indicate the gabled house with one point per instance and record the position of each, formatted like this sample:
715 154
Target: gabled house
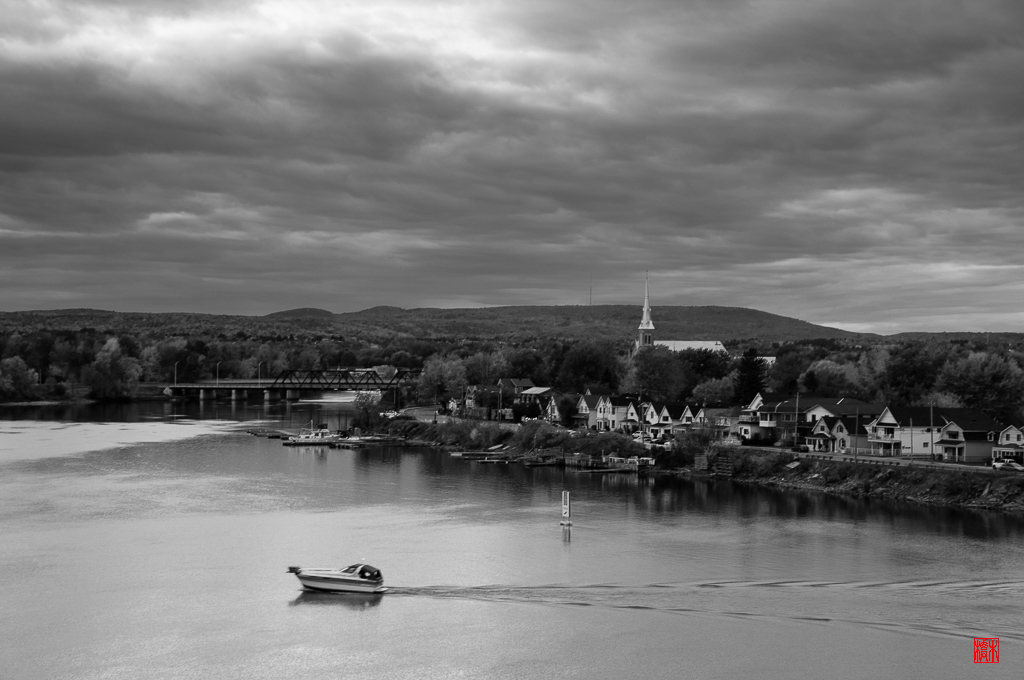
963 435
968 439
514 386
721 421
839 434
586 411
1010 444
792 418
615 413
549 408
750 425
634 418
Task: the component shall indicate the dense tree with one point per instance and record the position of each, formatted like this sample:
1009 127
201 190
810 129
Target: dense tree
442 377
656 374
17 380
912 371
367 406
985 381
587 365
112 375
827 378
790 363
485 368
525 363
701 365
715 391
749 377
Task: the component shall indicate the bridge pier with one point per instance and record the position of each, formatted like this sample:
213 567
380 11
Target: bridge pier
202 395
291 395
234 395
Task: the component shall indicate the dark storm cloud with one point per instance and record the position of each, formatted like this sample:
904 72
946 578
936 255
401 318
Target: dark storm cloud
854 163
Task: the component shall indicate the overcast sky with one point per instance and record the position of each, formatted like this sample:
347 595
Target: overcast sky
853 163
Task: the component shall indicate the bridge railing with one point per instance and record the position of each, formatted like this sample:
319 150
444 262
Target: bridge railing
343 379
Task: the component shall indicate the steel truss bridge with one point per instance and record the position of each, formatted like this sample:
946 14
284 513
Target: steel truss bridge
293 384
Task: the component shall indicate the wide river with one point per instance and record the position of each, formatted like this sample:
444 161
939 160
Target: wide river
153 541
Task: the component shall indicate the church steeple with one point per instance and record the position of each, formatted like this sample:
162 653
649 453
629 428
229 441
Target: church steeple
645 332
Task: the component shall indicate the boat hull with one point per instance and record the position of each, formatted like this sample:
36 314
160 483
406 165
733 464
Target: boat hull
325 583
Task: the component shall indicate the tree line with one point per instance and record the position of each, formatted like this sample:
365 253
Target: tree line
45 363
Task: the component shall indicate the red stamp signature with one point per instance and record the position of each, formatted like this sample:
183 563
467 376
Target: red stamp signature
986 650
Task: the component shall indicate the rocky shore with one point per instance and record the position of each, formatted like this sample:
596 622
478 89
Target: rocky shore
977 488
973 487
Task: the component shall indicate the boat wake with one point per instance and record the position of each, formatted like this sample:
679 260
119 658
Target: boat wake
804 602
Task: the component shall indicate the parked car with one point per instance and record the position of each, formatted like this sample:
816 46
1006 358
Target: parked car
1010 465
800 449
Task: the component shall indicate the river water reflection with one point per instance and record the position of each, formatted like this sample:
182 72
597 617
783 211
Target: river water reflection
166 559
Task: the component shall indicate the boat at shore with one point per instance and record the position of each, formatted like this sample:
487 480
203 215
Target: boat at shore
313 436
356 578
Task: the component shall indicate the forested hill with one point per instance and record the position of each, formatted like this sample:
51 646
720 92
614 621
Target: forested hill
611 322
517 323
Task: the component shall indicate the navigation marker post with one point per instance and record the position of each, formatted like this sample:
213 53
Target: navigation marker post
566 510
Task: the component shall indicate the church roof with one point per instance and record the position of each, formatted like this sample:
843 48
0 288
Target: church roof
680 345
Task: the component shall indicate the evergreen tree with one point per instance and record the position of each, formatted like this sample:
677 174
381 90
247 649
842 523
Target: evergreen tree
749 377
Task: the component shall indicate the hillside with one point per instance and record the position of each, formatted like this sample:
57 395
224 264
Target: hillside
611 322
516 323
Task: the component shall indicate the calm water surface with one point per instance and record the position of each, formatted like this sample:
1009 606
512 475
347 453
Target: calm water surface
153 541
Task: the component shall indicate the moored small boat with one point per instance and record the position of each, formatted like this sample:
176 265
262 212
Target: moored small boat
320 436
356 578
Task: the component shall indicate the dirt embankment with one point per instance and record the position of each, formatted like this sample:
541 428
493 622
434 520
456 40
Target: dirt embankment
971 488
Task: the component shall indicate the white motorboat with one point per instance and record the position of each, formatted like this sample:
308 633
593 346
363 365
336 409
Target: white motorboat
357 578
313 437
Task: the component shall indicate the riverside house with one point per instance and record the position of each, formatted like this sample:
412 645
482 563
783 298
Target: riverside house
586 411
840 434
1010 444
958 435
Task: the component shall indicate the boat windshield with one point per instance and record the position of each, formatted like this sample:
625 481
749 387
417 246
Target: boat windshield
371 573
351 569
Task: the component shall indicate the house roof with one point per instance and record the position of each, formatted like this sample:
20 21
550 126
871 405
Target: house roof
591 400
967 419
600 391
538 390
675 410
834 405
516 382
680 345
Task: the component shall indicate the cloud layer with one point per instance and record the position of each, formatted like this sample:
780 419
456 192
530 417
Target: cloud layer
854 163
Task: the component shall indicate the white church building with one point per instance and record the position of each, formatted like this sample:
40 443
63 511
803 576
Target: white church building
645 333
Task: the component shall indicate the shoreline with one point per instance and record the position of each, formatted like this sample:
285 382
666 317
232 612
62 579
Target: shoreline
968 488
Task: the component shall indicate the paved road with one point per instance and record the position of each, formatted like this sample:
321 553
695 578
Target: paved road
427 414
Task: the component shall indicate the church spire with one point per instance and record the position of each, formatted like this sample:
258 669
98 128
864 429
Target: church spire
645 322
645 334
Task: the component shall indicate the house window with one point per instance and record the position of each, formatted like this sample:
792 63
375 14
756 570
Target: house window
953 434
991 436
925 445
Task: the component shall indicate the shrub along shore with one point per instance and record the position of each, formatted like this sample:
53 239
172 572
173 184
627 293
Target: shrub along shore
969 488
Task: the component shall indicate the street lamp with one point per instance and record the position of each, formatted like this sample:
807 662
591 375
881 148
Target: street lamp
259 380
176 372
218 373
